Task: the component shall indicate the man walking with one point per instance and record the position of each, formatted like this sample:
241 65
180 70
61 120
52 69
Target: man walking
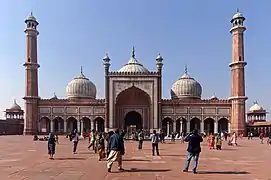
155 141
140 139
193 150
116 148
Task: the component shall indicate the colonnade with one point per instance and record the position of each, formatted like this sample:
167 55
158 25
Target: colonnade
206 126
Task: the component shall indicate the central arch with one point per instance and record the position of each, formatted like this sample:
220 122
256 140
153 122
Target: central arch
133 118
132 107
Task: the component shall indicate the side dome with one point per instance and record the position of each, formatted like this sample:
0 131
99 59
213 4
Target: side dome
186 87
15 106
256 107
133 65
81 87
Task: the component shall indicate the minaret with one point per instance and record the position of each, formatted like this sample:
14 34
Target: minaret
106 62
31 68
238 95
159 66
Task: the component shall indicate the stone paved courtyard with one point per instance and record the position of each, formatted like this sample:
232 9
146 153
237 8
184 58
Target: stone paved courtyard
21 158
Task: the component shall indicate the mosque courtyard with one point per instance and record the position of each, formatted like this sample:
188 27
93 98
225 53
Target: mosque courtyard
23 159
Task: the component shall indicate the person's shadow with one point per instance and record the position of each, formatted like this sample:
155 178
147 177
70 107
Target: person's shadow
223 172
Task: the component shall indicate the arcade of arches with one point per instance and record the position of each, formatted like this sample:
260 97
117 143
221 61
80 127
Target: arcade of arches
132 109
207 126
59 125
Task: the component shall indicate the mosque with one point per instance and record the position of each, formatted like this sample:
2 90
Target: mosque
133 96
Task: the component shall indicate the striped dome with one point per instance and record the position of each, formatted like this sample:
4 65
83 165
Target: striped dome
81 87
186 88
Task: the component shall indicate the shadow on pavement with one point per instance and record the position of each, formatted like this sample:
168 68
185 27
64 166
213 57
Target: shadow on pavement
135 160
71 158
147 170
223 172
174 155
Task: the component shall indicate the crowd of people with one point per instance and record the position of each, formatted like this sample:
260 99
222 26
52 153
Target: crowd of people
110 146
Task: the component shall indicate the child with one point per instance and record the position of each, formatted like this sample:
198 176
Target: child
101 147
218 142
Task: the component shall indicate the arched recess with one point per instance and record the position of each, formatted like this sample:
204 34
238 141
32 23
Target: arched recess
99 124
133 99
167 125
194 124
181 125
223 125
58 124
72 124
133 118
86 124
209 126
45 125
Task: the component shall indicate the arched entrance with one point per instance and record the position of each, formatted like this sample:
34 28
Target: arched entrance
133 108
133 118
167 126
45 125
86 124
99 124
194 124
58 124
71 124
223 125
209 126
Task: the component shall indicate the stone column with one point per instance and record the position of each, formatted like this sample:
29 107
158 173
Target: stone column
202 126
51 126
188 127
168 128
65 126
215 127
229 127
96 125
82 127
181 126
92 124
174 126
59 126
78 125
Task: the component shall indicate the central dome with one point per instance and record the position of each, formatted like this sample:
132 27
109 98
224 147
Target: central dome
81 87
133 65
186 87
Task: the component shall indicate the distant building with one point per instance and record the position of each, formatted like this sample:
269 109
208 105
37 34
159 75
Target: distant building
256 120
133 96
13 123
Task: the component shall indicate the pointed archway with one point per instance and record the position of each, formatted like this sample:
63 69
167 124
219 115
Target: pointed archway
209 126
133 118
58 124
134 103
99 124
72 124
223 125
194 124
45 125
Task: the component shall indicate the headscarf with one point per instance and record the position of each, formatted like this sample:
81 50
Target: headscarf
218 137
51 136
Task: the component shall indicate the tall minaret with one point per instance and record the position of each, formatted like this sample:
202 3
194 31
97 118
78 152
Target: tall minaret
31 79
238 95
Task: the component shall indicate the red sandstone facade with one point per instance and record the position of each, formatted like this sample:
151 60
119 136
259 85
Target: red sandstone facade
133 97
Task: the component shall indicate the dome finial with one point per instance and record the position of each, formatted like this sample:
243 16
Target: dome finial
255 102
14 101
237 10
185 69
133 52
81 70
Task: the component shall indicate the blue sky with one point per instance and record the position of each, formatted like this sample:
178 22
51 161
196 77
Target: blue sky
75 33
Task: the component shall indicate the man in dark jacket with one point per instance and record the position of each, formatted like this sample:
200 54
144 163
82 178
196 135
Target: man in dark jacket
193 150
116 148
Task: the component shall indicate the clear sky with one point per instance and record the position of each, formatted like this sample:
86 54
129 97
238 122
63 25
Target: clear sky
75 33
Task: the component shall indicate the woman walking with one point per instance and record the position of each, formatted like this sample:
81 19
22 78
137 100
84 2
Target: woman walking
51 146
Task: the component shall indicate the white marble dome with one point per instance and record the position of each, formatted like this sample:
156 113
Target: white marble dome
133 65
256 107
81 87
15 106
186 87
